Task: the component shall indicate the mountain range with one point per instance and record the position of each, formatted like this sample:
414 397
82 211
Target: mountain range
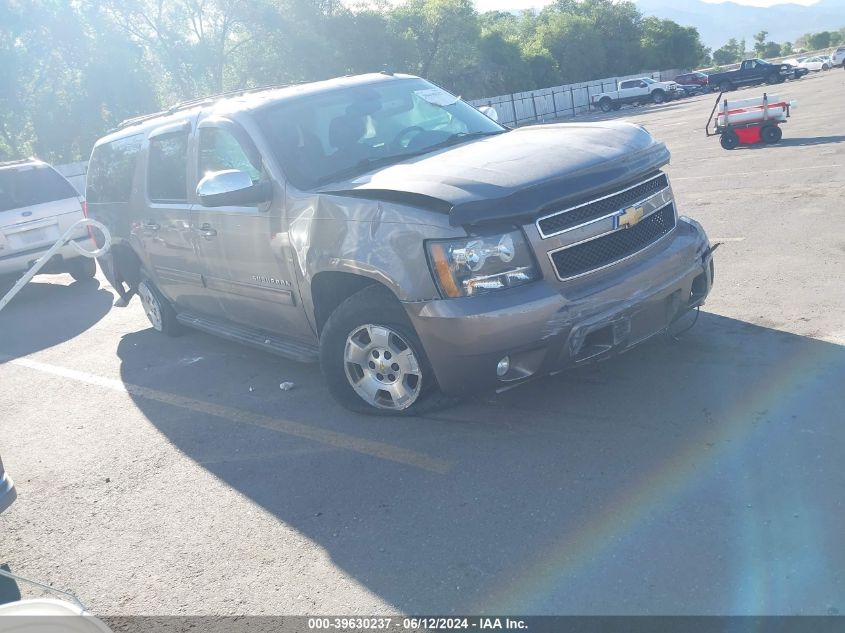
717 23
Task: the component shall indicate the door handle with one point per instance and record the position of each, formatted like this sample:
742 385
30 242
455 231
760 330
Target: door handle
150 226
207 231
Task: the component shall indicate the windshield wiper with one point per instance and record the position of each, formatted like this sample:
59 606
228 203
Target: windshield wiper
362 166
460 137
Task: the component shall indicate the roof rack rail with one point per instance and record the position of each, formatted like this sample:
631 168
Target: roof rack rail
19 161
189 103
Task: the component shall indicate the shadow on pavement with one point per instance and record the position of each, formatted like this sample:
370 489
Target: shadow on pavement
800 142
58 312
9 591
677 478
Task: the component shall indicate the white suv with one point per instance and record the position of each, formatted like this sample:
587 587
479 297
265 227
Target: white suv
37 206
838 57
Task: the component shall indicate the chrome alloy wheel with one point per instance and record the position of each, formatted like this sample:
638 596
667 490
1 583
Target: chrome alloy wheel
152 307
381 367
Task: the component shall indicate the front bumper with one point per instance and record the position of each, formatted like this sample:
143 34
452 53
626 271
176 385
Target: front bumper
7 489
542 331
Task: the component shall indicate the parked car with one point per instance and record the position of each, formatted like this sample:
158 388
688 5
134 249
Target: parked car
691 90
694 79
397 234
816 63
838 56
796 72
7 488
750 73
636 91
37 206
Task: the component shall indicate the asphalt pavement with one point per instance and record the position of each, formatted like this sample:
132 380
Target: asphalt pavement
698 476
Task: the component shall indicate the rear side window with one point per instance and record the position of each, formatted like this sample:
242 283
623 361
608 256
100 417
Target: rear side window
167 173
112 169
28 185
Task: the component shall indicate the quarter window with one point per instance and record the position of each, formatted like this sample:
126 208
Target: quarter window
168 165
112 169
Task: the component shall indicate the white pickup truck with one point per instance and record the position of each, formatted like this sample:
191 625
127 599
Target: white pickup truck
635 91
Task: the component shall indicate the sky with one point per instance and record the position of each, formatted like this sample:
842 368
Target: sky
505 5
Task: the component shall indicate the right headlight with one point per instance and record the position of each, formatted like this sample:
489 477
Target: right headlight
471 265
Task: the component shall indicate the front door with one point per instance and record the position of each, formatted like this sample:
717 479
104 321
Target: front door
243 249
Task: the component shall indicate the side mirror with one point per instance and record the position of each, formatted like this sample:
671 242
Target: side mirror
232 187
489 112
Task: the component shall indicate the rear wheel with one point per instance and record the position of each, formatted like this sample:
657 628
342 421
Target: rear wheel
82 268
160 313
371 357
606 105
729 139
771 134
726 86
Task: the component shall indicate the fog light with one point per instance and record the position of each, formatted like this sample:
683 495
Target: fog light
503 366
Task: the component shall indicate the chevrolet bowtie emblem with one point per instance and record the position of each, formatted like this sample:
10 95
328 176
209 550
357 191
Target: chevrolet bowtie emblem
630 216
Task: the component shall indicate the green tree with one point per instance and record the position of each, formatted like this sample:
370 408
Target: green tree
730 53
443 36
760 42
666 44
786 49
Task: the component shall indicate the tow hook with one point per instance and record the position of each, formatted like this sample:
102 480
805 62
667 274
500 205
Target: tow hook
710 250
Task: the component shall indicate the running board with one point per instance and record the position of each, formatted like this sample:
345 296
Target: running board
293 350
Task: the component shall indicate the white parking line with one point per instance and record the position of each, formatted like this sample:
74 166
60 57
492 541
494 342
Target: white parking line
331 438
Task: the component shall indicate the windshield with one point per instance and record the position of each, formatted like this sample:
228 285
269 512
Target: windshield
648 80
347 131
31 185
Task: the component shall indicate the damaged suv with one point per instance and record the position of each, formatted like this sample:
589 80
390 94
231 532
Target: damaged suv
406 240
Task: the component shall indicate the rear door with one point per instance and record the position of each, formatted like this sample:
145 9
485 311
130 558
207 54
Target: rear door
37 206
243 249
162 225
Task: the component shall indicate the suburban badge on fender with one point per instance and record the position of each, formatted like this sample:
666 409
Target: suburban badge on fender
630 216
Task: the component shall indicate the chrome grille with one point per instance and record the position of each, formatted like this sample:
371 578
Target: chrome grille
611 248
572 217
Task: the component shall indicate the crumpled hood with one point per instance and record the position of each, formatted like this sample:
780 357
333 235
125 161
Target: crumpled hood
517 175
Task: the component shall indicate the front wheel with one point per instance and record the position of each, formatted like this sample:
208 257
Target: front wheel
658 96
729 139
160 313
825 67
371 357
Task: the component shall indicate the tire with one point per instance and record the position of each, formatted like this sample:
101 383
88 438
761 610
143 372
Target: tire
658 96
616 107
729 140
726 86
372 327
82 268
772 78
771 134
606 105
825 67
159 312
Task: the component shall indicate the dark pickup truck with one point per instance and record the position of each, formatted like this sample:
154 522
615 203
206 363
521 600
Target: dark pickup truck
750 73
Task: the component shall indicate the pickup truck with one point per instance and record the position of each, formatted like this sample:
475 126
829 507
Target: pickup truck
750 73
636 91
